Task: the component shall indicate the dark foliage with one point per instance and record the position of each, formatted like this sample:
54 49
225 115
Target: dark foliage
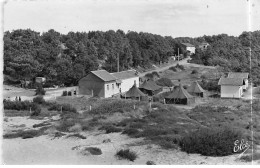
110 129
126 154
22 105
77 136
131 131
210 85
211 142
93 150
62 107
194 71
39 100
65 93
164 82
40 90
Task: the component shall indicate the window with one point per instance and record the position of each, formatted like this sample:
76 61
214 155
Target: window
107 87
112 86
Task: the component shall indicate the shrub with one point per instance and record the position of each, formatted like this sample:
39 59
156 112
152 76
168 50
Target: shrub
40 90
64 93
173 69
211 142
36 110
93 150
77 135
155 74
130 131
39 100
25 134
150 163
194 71
149 75
211 85
110 129
181 67
164 82
62 107
250 158
41 124
126 154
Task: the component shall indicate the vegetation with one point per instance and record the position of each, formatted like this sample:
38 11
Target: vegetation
39 100
164 82
110 129
62 107
22 105
40 90
25 134
77 135
126 154
93 150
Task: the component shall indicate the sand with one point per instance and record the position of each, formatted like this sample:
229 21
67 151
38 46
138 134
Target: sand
63 150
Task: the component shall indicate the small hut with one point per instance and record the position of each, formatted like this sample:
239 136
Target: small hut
196 90
179 96
134 93
150 87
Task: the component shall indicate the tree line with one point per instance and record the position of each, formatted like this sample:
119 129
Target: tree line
66 58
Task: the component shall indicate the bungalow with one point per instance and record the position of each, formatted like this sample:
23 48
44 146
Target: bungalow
244 76
128 79
189 47
231 87
104 84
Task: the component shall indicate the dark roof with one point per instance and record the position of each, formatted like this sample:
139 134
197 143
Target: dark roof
150 85
125 74
134 92
238 75
188 44
179 93
195 88
231 81
104 75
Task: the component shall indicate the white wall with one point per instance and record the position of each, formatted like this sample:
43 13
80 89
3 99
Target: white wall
109 92
128 83
191 49
231 91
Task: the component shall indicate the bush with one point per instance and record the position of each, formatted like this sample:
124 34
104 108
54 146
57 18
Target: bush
250 158
110 129
126 154
194 71
77 135
64 93
94 150
211 85
164 82
36 110
39 100
149 75
25 134
211 142
181 67
155 74
22 105
150 163
63 107
173 69
40 90
130 131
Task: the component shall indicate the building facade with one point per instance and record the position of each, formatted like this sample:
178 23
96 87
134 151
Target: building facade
231 87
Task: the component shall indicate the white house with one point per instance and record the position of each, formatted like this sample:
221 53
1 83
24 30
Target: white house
189 47
231 87
244 76
104 84
128 79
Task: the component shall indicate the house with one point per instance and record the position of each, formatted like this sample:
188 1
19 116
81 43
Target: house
189 47
231 87
244 76
203 46
40 79
196 90
179 96
104 84
99 83
128 79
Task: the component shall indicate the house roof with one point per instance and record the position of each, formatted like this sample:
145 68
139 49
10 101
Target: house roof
238 75
125 74
231 81
150 85
188 44
104 75
179 93
195 88
134 92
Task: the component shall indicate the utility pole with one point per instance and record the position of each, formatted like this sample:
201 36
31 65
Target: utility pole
178 54
117 62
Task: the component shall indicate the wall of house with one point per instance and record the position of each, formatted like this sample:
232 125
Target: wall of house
231 91
191 49
246 84
91 84
128 83
111 88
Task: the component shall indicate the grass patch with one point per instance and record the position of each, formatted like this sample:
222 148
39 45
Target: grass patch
126 154
130 131
250 158
25 134
43 124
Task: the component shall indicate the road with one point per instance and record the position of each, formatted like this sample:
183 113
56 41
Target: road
182 62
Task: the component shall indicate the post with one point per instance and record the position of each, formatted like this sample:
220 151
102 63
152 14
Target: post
178 55
117 62
90 108
134 106
92 92
61 108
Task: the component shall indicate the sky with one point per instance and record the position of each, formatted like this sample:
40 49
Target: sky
176 18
